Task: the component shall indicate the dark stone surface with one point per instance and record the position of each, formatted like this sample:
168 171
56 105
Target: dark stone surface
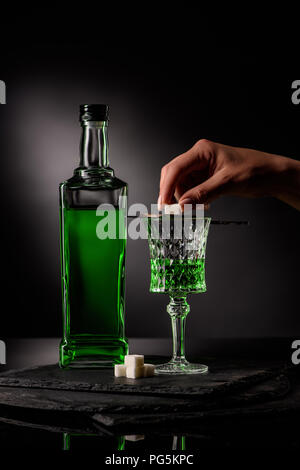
236 401
223 378
227 389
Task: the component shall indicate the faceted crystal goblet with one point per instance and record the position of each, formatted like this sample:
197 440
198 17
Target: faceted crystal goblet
177 254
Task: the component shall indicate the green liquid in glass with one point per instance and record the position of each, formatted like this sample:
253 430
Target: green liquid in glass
93 286
180 276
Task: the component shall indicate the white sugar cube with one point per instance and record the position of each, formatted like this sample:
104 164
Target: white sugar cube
149 370
135 437
172 209
134 360
134 372
120 370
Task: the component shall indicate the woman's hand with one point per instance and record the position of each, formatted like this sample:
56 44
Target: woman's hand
209 170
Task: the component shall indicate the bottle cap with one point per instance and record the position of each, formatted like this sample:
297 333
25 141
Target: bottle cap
93 112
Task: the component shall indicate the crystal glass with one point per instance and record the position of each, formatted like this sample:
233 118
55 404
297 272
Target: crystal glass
177 253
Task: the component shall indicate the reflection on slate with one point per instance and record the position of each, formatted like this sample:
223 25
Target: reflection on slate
95 405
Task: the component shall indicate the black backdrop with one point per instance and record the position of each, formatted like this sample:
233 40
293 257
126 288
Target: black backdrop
170 79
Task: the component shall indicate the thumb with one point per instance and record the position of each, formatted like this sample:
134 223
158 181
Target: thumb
205 192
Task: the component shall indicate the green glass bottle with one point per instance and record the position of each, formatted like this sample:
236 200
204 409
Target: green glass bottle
93 263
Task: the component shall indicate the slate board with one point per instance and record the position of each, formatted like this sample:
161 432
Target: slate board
52 398
221 379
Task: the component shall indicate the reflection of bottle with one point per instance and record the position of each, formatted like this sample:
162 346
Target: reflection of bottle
178 443
93 266
76 441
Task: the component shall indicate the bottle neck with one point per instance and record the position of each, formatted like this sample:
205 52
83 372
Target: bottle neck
94 149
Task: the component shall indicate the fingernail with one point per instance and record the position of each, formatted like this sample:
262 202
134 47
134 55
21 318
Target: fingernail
186 201
159 202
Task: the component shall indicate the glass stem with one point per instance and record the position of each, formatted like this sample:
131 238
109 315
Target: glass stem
178 309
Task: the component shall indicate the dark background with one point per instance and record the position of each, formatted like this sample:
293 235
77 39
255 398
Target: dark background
170 79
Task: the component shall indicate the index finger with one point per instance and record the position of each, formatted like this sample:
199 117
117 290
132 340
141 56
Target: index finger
178 168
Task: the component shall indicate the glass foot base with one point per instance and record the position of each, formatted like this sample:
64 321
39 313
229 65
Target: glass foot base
180 368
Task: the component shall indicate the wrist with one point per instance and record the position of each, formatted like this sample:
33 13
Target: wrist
278 176
286 178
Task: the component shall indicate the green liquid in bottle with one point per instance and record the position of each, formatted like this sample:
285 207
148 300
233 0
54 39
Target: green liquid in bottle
93 284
